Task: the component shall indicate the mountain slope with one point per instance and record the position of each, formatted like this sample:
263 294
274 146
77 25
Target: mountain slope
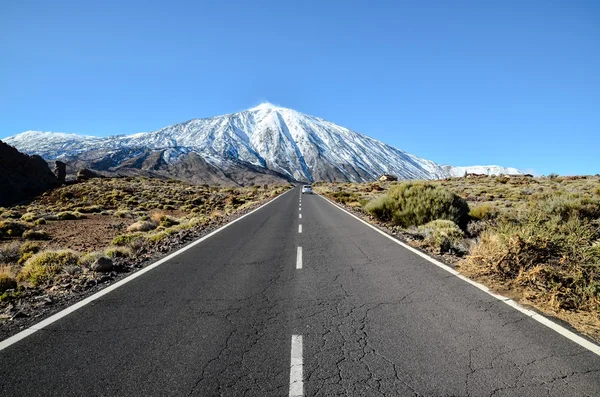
457 171
290 144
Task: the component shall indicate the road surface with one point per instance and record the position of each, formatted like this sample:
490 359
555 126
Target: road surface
267 307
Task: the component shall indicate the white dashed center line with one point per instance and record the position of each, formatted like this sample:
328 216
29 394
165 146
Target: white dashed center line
296 375
299 228
300 216
299 258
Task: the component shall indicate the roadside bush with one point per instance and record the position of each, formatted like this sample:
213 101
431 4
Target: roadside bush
118 252
442 235
10 228
126 239
44 266
552 247
36 235
416 203
89 258
141 226
344 197
40 221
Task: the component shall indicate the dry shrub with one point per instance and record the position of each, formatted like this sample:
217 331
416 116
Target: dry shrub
157 216
7 278
442 235
551 248
141 226
9 253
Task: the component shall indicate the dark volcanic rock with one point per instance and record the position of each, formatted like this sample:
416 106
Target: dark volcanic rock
85 174
60 170
22 176
102 264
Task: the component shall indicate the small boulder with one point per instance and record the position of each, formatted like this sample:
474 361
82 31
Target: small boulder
102 265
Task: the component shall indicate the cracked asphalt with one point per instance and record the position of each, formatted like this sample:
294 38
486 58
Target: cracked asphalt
376 320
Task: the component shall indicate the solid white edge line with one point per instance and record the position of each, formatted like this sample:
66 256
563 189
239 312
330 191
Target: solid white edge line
65 312
296 370
529 313
300 228
299 258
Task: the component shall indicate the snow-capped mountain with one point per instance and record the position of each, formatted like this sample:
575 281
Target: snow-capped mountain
457 171
284 141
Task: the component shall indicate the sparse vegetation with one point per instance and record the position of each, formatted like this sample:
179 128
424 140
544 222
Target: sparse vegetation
539 238
36 235
43 266
10 228
126 219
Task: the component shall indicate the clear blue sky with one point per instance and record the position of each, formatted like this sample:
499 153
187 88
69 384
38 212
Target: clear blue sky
514 83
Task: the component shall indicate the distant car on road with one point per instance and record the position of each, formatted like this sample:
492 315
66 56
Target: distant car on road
307 189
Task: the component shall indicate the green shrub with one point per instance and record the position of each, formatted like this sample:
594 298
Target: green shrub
118 252
36 235
44 266
483 212
29 217
417 203
89 258
566 206
40 221
10 228
168 221
11 214
344 197
91 209
69 215
123 214
29 247
126 239
157 237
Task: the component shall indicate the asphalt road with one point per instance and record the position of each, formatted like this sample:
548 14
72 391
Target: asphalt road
363 317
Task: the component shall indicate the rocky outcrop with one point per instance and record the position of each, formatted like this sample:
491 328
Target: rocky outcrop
85 174
22 176
60 170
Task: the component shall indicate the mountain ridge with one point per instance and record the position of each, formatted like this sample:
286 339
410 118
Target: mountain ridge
292 144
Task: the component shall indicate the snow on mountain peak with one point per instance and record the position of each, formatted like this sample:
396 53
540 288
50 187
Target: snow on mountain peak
291 143
266 106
